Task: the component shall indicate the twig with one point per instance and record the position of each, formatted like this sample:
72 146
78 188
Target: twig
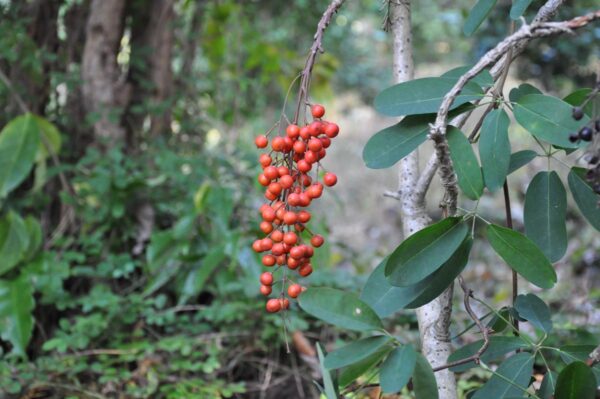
509 224
594 357
476 357
437 133
317 47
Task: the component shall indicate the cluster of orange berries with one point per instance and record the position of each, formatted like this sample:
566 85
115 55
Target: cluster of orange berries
289 186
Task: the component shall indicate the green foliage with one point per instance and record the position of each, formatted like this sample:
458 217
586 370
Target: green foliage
510 379
522 255
340 308
545 214
465 163
424 383
478 14
585 198
397 369
425 252
533 309
499 346
494 149
576 381
355 351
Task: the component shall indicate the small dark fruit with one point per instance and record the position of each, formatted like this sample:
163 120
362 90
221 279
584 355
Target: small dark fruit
573 137
586 134
577 113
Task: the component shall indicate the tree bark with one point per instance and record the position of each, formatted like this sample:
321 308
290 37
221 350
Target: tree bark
433 318
104 92
151 75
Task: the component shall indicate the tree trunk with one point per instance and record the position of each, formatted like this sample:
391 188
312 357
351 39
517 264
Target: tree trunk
104 92
151 75
433 318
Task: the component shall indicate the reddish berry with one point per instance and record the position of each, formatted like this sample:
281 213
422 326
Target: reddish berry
293 199
277 143
265 160
311 157
290 238
266 290
325 141
303 216
261 141
329 179
285 303
271 172
293 131
294 290
317 240
266 278
281 260
315 128
317 111
315 190
275 188
270 196
288 143
297 252
268 260
290 218
304 166
263 180
256 246
304 199
293 263
315 145
268 214
299 147
305 133
305 270
332 130
273 305
266 227
286 181
266 244
277 249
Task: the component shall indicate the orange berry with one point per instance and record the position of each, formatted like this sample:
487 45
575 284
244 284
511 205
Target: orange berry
332 130
315 145
268 260
294 290
303 216
290 218
317 111
275 188
292 263
293 199
268 214
271 172
273 305
285 303
277 249
256 246
261 141
265 160
270 196
263 180
266 290
293 131
266 227
315 128
305 270
288 143
317 240
311 157
325 141
329 179
303 166
278 143
277 236
305 132
290 238
266 278
299 147
282 171
297 252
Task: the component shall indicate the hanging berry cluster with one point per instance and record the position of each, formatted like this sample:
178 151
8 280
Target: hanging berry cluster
590 133
289 188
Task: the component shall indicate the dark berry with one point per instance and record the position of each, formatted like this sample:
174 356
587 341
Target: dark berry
594 160
577 113
573 137
597 125
586 134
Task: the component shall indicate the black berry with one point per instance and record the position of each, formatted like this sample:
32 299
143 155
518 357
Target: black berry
573 137
586 134
577 113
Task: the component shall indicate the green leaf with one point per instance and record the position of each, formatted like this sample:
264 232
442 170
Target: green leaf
197 277
521 91
16 321
483 78
52 136
478 14
516 369
386 299
422 96
548 385
494 149
351 373
570 353
520 159
499 346
423 379
339 308
521 254
391 144
396 370
465 163
535 311
548 118
19 141
425 252
545 214
355 351
14 240
576 381
330 385
518 8
499 322
579 96
585 198
34 236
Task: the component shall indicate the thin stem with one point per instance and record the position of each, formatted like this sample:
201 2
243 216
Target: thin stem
509 224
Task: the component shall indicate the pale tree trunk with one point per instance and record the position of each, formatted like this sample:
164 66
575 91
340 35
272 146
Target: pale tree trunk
103 89
433 318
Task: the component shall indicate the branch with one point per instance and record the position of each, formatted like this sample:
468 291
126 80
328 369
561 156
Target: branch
315 49
468 294
594 357
438 130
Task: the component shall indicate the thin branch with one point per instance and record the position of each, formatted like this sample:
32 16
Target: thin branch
509 224
437 133
594 357
476 357
316 48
